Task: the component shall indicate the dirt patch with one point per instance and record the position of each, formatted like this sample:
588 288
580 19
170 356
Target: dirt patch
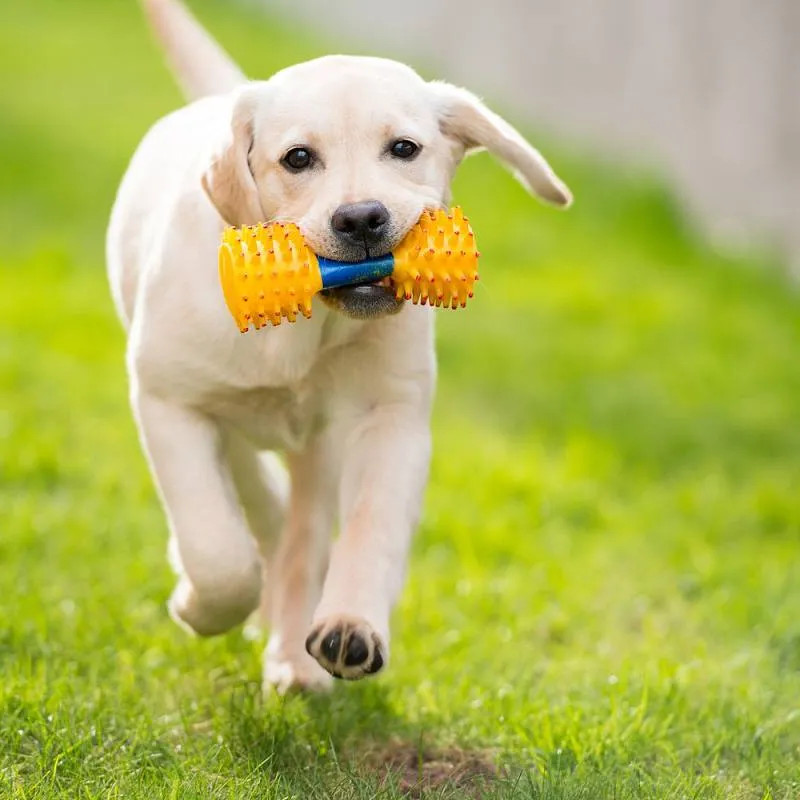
415 769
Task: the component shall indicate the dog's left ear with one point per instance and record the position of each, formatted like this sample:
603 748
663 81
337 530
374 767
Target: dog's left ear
465 118
228 180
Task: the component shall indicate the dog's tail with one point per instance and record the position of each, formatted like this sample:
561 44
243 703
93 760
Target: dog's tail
199 64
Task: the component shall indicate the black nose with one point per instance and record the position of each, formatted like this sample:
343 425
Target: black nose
361 222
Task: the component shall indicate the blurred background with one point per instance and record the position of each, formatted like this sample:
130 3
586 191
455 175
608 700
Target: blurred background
607 563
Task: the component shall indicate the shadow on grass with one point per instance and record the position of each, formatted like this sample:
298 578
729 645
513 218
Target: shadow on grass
352 742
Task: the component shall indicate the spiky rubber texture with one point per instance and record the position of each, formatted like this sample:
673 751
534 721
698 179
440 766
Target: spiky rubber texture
269 273
437 262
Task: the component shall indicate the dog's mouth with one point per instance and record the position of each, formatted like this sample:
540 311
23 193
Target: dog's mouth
364 300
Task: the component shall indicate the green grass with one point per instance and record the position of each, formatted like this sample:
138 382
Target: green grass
605 589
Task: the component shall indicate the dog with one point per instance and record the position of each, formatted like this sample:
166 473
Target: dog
352 149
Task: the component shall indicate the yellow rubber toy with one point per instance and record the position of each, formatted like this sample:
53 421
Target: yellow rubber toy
269 273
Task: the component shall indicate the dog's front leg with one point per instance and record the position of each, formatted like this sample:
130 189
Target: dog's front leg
298 567
215 553
385 466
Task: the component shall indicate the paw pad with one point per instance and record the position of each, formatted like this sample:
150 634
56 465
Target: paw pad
348 649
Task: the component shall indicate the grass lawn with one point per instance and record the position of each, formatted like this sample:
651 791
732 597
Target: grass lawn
604 599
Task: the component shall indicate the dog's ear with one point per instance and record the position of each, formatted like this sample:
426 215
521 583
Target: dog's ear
228 181
462 116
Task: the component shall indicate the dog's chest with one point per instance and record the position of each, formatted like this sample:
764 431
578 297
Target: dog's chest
280 392
270 417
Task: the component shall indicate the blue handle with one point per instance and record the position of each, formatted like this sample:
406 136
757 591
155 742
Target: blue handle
346 273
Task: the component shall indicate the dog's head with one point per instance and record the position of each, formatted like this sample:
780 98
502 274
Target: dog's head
353 150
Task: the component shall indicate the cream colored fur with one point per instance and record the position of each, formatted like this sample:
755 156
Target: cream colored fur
347 401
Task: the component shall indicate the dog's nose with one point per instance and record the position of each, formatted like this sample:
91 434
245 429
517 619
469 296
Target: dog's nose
361 222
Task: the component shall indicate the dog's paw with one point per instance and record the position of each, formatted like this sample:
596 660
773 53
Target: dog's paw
347 647
286 676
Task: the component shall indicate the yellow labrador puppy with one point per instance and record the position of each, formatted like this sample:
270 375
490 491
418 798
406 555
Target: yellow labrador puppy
352 149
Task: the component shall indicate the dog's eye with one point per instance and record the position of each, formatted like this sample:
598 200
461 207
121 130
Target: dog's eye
404 148
297 159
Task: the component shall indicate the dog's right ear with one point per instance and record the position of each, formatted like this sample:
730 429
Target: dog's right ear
229 181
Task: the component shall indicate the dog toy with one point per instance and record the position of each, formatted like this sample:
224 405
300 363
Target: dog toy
268 272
